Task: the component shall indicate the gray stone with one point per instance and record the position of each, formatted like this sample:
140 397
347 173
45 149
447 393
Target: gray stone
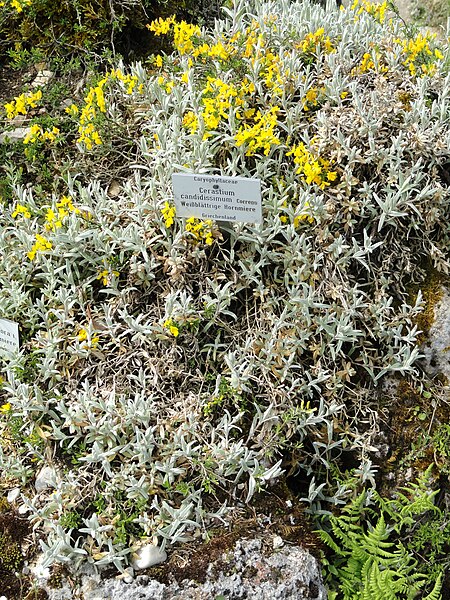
42 78
16 135
13 495
437 347
147 556
247 571
45 479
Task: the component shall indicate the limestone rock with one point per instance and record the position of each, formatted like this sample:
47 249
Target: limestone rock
16 135
45 479
147 556
42 78
437 347
247 571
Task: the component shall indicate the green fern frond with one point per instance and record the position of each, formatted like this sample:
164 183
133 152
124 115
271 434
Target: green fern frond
328 540
435 593
371 562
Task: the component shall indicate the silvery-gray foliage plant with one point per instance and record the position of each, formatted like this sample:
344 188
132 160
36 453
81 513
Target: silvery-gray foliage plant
170 368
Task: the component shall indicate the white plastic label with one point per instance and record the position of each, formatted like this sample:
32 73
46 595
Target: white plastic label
9 335
217 198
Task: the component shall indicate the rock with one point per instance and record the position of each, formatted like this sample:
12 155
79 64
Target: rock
147 556
16 135
66 103
13 495
437 347
246 571
45 479
42 78
277 542
114 189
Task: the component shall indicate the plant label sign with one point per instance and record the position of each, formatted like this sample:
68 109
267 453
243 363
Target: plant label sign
9 335
217 198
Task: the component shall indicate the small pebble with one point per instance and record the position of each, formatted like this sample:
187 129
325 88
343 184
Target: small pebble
277 542
147 556
13 495
45 479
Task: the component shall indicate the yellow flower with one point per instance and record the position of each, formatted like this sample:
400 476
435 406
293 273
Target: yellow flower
19 5
161 26
314 169
106 276
377 11
168 213
190 121
261 135
200 231
5 408
41 245
20 103
169 324
83 336
21 210
72 109
89 136
418 54
182 36
36 133
312 41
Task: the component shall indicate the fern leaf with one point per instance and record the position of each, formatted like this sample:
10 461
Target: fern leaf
435 593
328 540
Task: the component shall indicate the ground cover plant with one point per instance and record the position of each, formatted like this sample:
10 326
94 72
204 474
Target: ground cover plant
170 368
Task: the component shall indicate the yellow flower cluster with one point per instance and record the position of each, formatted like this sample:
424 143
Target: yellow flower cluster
21 210
182 32
107 275
313 169
182 36
217 100
201 230
18 5
305 215
259 136
89 136
161 26
219 97
64 207
313 41
41 245
168 213
5 408
129 81
190 121
222 50
36 134
94 103
83 336
271 72
19 105
377 11
419 56
312 98
370 62
170 325
167 85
